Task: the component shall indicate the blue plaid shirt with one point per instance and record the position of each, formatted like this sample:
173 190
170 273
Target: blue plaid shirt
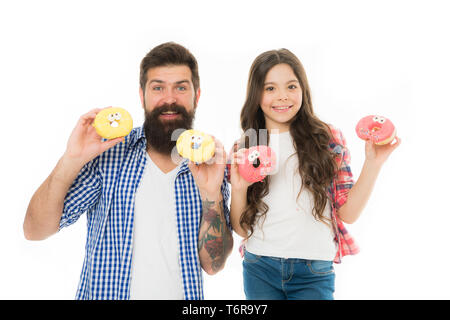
105 189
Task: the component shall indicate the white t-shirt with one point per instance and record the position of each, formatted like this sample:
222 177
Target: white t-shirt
290 229
155 269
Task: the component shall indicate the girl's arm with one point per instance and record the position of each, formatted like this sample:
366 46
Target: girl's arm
360 192
238 194
237 207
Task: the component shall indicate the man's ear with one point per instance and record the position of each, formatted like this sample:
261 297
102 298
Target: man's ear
197 96
141 95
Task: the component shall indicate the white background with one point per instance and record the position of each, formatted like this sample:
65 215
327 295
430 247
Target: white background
60 59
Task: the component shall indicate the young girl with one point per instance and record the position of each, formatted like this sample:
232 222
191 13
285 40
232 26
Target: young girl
292 221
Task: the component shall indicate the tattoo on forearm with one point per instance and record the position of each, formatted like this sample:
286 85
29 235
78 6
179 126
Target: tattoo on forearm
214 234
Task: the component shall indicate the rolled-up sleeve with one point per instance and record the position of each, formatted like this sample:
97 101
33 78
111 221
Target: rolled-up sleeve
83 195
344 180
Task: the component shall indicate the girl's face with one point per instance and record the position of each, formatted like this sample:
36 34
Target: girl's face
281 98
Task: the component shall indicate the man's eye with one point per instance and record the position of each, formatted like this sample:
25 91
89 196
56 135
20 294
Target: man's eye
156 88
182 88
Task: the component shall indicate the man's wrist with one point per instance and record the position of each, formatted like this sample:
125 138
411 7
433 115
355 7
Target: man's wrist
211 195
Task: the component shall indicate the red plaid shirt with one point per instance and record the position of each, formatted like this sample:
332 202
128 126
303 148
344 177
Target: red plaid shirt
337 193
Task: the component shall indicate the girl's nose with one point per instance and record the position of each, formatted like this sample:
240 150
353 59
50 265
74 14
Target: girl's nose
282 96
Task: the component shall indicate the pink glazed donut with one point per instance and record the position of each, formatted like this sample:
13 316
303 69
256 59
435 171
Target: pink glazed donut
378 129
259 161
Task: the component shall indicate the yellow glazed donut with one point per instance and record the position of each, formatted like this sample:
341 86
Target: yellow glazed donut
112 123
196 146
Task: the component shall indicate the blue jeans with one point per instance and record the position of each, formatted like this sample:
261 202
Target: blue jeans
271 278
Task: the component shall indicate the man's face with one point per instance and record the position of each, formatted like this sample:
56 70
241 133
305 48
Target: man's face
169 102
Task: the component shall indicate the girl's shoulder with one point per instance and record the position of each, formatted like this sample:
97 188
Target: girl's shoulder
337 143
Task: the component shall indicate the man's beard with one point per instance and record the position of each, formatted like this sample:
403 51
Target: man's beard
159 132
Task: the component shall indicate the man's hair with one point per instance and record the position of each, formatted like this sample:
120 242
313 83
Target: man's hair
167 54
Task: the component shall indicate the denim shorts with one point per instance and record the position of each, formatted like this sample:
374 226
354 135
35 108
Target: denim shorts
271 278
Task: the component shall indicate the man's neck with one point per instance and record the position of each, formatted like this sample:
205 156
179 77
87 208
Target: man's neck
163 161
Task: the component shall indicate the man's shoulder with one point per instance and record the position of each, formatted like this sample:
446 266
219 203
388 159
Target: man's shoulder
135 138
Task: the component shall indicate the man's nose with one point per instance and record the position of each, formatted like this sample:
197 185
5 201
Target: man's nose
169 98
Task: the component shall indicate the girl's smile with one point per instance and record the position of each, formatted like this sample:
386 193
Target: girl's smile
281 109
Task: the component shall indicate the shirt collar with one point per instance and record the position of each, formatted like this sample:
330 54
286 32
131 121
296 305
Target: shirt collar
139 138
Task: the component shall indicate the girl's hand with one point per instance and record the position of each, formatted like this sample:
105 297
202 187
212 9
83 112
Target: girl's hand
236 180
379 153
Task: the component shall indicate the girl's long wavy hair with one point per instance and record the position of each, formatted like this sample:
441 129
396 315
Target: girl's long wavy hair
317 165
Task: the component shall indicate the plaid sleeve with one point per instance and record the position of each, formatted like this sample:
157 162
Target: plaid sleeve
82 195
344 180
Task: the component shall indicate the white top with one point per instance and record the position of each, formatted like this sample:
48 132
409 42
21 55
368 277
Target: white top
155 270
289 229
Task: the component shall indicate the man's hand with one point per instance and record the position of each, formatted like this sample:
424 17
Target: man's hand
209 175
46 206
84 143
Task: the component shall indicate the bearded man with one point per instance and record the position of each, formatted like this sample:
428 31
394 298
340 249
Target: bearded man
153 223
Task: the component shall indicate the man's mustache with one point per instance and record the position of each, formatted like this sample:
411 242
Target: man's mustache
169 108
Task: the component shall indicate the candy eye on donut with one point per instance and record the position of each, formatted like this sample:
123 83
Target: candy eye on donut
199 139
111 117
253 156
117 116
379 119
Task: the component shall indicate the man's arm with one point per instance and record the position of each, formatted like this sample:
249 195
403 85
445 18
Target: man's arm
215 240
46 206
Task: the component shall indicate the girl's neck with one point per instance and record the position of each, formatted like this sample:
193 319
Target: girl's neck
277 130
276 127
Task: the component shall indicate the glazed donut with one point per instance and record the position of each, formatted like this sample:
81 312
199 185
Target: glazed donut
112 123
380 130
259 161
196 146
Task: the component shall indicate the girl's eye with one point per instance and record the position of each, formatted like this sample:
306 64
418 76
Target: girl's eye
292 86
269 88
